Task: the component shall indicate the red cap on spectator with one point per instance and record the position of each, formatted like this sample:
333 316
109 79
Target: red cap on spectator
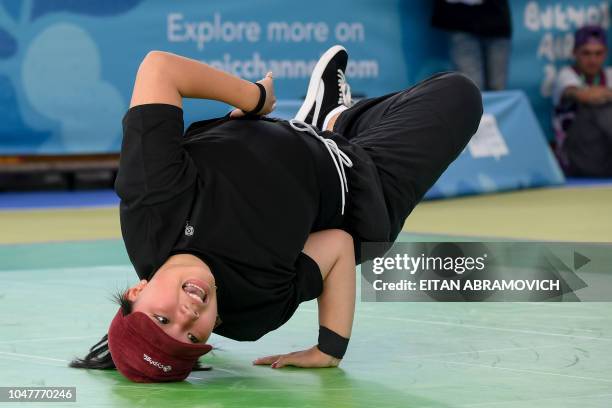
143 352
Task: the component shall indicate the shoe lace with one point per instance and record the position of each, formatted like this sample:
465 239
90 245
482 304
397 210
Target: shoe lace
339 158
344 97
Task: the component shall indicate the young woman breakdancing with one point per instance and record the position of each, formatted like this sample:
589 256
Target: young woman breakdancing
233 223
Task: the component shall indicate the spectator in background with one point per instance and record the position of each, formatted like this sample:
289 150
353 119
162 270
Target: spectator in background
582 96
480 38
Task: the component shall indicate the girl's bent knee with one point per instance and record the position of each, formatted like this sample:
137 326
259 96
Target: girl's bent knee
466 98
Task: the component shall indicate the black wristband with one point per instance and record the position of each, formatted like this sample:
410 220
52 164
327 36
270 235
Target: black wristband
262 99
332 343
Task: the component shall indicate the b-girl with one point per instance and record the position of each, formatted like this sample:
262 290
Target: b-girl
233 223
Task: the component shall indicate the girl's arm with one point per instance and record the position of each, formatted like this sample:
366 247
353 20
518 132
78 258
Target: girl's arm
164 77
334 252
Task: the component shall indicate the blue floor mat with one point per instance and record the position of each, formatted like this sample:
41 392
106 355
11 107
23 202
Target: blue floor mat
579 182
58 199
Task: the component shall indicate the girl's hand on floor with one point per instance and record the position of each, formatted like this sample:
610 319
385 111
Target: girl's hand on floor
269 104
311 358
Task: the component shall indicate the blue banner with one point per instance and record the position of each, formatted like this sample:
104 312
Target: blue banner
67 67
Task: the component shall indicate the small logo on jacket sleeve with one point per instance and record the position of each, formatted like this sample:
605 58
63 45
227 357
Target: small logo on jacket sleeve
189 230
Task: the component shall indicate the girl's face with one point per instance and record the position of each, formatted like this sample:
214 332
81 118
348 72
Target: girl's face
181 299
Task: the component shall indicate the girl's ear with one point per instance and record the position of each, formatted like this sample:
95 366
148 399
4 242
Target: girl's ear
132 293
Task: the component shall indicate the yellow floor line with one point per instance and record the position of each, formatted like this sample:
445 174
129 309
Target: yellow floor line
564 214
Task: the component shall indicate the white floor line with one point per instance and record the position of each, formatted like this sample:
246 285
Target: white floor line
237 374
5 353
544 316
88 269
473 326
46 339
524 402
227 371
20 357
428 359
492 314
498 313
10 360
521 370
417 356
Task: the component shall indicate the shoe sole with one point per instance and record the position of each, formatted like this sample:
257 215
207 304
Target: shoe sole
315 77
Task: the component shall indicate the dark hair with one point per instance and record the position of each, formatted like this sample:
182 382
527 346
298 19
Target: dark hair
584 34
99 357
